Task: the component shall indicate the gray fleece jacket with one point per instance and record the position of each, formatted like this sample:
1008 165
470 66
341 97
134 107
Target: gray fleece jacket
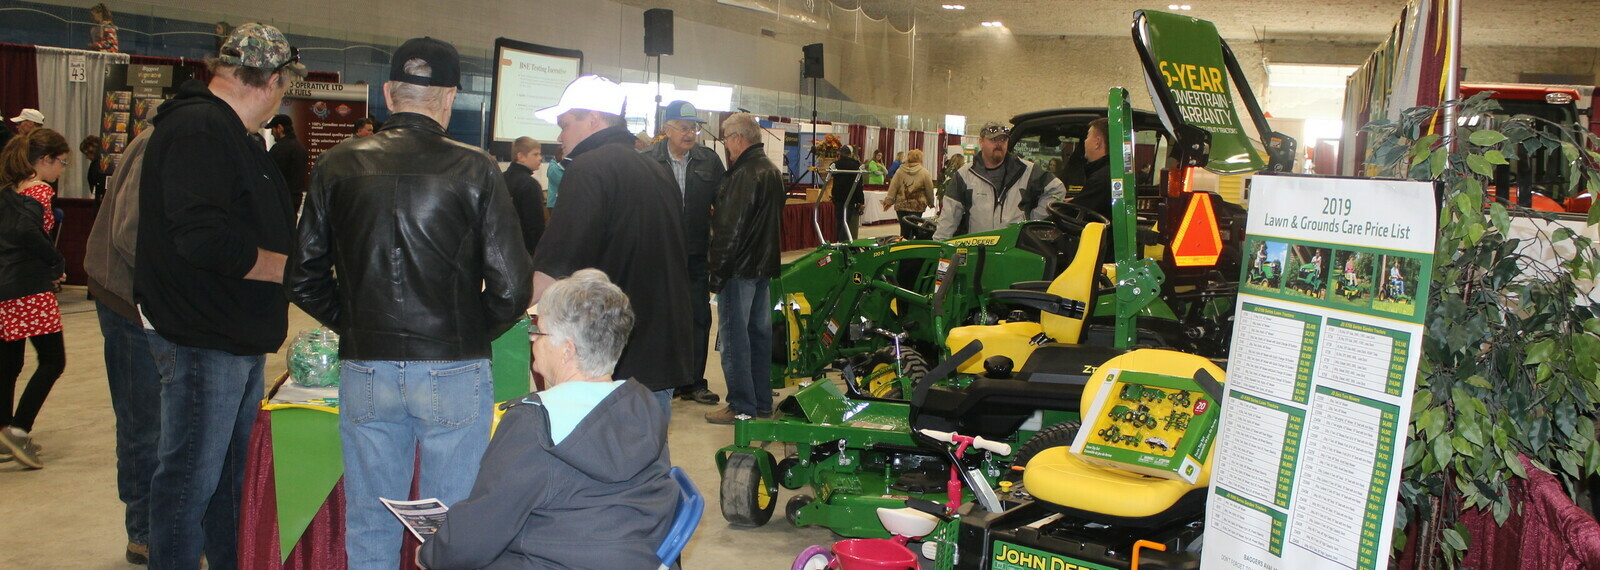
603 498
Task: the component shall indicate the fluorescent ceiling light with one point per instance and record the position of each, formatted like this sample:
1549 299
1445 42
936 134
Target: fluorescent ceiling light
954 7
994 24
1179 7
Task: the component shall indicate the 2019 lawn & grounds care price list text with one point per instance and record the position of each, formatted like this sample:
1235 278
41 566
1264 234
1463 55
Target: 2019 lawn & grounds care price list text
1327 338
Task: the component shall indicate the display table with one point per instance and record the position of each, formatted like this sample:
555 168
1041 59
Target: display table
797 231
292 509
874 212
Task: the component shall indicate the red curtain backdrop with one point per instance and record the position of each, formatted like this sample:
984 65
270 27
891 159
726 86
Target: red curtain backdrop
858 137
886 142
19 66
916 140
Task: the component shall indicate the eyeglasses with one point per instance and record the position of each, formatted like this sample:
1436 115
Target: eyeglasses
533 329
62 161
996 131
692 128
294 57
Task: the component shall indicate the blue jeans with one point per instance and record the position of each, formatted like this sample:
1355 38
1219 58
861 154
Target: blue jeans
744 321
387 410
136 402
209 400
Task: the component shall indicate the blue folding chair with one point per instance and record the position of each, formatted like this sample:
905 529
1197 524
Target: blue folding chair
684 521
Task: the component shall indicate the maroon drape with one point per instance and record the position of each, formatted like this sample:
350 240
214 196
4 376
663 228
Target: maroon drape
858 137
916 140
19 79
321 547
1551 532
798 231
886 142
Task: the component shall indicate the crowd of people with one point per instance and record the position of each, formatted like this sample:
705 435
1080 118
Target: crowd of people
419 251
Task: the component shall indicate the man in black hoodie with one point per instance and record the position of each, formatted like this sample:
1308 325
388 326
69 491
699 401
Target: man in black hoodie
620 213
214 224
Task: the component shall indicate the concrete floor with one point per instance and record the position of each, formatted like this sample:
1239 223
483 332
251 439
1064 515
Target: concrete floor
68 516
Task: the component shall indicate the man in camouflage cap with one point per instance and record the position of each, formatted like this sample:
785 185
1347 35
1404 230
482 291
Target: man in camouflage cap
214 226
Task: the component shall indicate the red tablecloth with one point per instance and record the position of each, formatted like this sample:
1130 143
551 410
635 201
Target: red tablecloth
798 231
321 547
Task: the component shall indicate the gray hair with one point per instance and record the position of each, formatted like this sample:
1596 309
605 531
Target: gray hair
593 313
744 125
609 119
409 97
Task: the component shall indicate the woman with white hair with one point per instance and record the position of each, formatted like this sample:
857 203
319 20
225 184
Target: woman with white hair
577 475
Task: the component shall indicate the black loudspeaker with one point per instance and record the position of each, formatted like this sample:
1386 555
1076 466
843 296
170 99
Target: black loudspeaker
812 69
658 32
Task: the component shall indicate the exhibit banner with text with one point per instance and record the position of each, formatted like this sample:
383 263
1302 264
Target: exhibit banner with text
1327 337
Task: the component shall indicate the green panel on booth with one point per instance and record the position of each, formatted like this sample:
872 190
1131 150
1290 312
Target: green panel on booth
307 460
510 365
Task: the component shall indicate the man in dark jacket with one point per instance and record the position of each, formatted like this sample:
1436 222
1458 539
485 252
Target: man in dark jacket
408 248
744 257
290 156
619 213
214 221
1096 194
526 195
698 172
847 204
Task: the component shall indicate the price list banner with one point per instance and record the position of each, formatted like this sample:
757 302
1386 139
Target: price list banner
1327 337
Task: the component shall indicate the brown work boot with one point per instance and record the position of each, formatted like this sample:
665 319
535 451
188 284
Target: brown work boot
138 553
725 416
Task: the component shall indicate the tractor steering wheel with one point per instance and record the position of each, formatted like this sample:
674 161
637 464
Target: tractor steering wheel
924 228
1073 218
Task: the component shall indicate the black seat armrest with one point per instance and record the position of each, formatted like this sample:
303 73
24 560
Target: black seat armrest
1043 301
1031 285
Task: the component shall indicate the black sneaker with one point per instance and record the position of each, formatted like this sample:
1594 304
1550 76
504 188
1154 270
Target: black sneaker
704 397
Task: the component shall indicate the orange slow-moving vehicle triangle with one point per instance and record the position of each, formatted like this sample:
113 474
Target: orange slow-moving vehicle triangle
1198 243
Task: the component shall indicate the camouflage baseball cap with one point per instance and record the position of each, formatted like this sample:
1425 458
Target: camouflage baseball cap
259 46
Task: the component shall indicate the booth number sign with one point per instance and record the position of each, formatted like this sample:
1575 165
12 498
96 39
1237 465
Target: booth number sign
77 68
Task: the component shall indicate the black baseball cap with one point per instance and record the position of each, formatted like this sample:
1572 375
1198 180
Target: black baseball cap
280 120
441 56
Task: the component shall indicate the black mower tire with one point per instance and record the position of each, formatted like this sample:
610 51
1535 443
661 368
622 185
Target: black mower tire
745 498
785 479
911 362
791 509
1054 436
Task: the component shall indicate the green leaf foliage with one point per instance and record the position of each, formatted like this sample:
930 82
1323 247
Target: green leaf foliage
1510 360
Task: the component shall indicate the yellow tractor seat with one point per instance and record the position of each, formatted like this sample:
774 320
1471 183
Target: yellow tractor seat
1058 477
1064 307
1066 483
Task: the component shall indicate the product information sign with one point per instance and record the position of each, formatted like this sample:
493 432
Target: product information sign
1188 54
132 95
324 114
1326 342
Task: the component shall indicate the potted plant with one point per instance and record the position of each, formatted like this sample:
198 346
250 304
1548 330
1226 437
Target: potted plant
1511 362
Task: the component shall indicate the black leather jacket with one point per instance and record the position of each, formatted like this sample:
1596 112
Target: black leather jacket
745 227
28 263
428 249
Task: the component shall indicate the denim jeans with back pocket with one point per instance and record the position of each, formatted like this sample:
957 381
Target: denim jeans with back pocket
389 411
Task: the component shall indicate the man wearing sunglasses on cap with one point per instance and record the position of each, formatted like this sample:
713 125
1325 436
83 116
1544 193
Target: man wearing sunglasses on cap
997 189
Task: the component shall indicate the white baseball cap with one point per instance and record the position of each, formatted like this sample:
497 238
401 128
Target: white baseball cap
29 115
589 92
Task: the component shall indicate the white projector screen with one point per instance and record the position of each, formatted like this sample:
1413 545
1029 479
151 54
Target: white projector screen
528 77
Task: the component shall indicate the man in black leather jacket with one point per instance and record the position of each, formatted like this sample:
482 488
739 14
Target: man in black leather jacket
698 172
410 249
744 257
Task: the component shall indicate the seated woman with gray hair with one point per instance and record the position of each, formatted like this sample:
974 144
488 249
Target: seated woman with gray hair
577 475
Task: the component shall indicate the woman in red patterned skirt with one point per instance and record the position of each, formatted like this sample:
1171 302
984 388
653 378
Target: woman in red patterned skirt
30 268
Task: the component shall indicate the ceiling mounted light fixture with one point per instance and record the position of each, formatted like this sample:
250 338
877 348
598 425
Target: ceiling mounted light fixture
994 24
1179 7
954 7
